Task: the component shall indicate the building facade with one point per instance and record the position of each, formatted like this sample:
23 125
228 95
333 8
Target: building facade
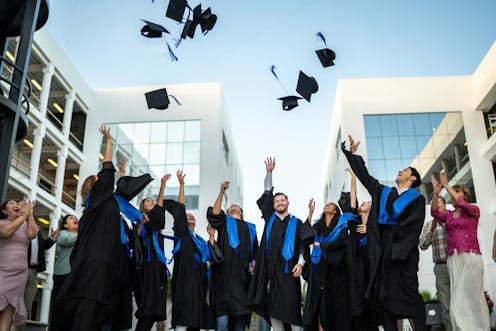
431 123
63 144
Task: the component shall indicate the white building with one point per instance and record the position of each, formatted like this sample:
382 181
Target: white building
63 144
427 122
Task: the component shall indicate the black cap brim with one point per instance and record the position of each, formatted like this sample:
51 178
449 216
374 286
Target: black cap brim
175 10
128 187
326 57
153 30
306 86
158 99
290 102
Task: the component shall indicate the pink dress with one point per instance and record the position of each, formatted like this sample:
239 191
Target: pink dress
14 272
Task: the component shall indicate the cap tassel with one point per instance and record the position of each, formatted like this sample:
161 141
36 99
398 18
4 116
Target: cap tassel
321 36
273 70
171 53
175 99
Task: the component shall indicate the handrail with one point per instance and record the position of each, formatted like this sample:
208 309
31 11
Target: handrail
17 161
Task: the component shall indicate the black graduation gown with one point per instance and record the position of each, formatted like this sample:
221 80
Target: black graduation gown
392 249
99 266
152 277
328 285
230 279
189 279
282 300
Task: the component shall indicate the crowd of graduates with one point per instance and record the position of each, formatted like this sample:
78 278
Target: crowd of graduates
359 260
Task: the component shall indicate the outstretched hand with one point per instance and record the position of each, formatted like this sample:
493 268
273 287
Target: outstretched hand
270 164
180 176
165 178
353 144
224 186
442 178
311 205
435 184
105 131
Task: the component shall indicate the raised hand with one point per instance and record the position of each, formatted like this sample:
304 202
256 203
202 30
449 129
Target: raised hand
105 131
224 186
165 178
270 164
180 176
436 186
27 207
353 144
122 167
55 234
311 205
442 178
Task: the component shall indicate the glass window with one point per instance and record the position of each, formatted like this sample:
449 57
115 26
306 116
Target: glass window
405 122
157 154
392 147
174 153
373 126
192 152
175 131
141 133
422 125
374 148
408 147
192 131
388 125
158 132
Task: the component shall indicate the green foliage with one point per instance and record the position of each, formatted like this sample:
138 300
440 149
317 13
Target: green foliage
427 297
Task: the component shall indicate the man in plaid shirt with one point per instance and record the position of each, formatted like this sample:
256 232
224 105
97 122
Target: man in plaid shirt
433 233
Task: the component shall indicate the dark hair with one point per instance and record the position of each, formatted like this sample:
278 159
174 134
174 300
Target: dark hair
321 225
2 207
142 205
233 204
464 189
63 222
416 183
280 193
87 186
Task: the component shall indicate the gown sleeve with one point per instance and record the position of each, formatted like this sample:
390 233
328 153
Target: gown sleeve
157 219
358 166
217 221
104 186
178 212
266 205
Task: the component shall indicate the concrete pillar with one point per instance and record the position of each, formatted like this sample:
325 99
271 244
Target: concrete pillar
59 175
45 87
39 134
69 105
458 157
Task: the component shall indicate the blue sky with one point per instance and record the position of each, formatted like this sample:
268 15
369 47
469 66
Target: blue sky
384 38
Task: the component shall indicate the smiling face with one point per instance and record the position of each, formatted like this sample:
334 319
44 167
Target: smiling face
235 211
281 203
11 210
330 208
404 176
147 205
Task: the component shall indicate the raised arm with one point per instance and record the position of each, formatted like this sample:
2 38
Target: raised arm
435 212
31 226
8 228
311 209
122 167
358 166
181 197
218 202
266 201
163 184
107 156
458 201
353 189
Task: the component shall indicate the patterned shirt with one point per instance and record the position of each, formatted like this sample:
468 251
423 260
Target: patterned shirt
437 239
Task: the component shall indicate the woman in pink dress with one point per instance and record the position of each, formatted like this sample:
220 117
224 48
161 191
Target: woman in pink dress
468 307
17 227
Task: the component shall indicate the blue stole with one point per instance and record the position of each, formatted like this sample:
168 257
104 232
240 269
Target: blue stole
232 234
253 233
177 246
202 247
398 205
289 239
316 255
129 212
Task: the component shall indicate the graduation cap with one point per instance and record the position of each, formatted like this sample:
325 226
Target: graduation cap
326 55
128 186
306 86
175 10
153 30
205 19
289 102
159 99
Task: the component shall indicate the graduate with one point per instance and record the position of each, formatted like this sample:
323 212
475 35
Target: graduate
394 225
151 289
327 301
237 240
275 290
97 290
190 279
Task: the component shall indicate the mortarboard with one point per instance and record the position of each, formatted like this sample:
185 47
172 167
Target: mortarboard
306 86
175 10
128 187
289 102
159 99
326 55
152 30
205 19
